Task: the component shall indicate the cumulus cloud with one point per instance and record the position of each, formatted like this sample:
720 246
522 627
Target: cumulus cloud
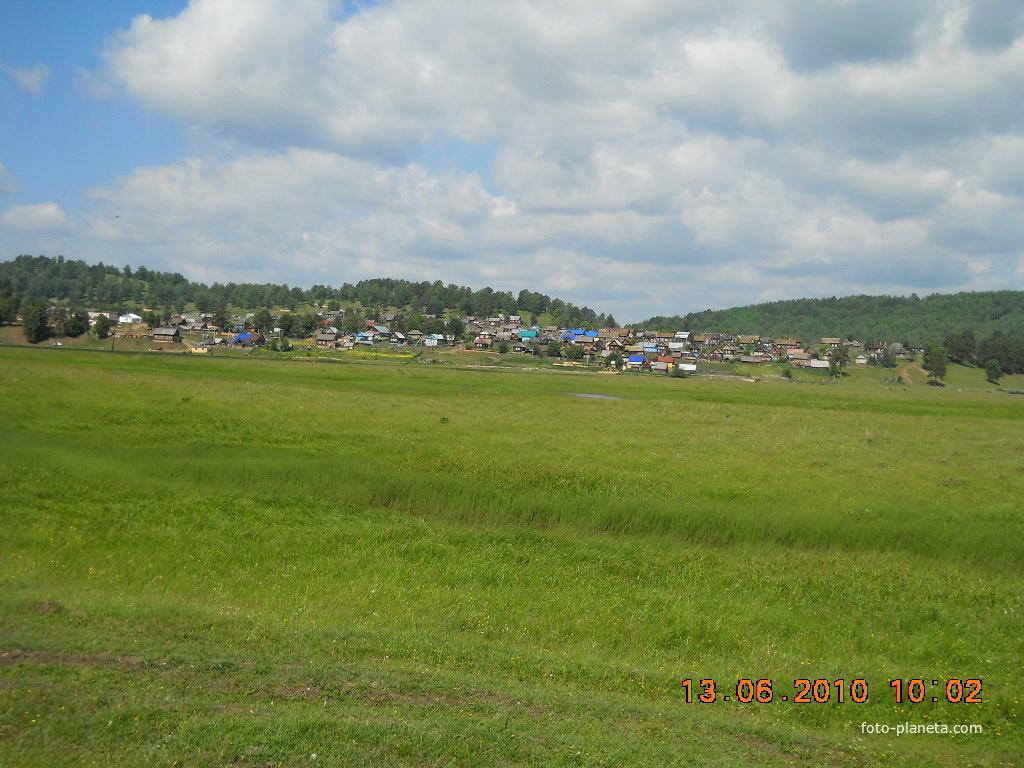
33 78
41 218
802 148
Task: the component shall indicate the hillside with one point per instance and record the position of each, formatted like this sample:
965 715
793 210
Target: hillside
104 286
866 318
890 318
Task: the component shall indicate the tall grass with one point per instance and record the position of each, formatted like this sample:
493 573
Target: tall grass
392 537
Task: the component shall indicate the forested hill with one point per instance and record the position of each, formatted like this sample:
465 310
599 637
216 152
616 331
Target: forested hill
865 318
103 286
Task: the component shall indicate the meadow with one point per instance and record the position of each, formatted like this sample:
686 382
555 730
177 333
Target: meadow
254 562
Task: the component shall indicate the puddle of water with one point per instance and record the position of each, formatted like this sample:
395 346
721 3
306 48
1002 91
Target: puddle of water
593 396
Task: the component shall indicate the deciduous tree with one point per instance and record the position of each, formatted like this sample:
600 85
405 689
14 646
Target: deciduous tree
309 323
101 326
286 324
455 327
936 358
263 321
993 370
77 324
837 358
35 320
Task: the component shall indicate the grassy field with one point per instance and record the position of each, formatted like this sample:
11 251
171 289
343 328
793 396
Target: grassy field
250 562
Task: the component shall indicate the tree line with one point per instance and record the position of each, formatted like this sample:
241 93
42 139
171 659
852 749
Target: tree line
997 353
102 286
906 319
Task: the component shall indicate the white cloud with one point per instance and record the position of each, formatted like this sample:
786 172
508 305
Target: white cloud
32 79
41 218
761 150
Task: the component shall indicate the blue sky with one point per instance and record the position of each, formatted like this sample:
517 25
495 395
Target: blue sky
656 157
60 140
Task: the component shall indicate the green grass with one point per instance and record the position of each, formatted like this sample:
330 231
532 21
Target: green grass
250 561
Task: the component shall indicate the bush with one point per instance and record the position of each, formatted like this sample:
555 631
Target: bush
993 370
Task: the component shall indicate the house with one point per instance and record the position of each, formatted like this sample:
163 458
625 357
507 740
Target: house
861 360
168 333
798 355
636 361
831 342
111 316
129 318
876 349
327 340
249 340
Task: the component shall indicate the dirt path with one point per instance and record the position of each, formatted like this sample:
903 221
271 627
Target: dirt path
905 373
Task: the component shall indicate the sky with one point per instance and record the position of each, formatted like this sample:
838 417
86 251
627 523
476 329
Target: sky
654 157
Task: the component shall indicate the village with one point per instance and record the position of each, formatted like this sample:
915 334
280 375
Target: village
625 348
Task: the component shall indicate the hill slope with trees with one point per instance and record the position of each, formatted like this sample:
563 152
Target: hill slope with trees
974 328
103 286
866 318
